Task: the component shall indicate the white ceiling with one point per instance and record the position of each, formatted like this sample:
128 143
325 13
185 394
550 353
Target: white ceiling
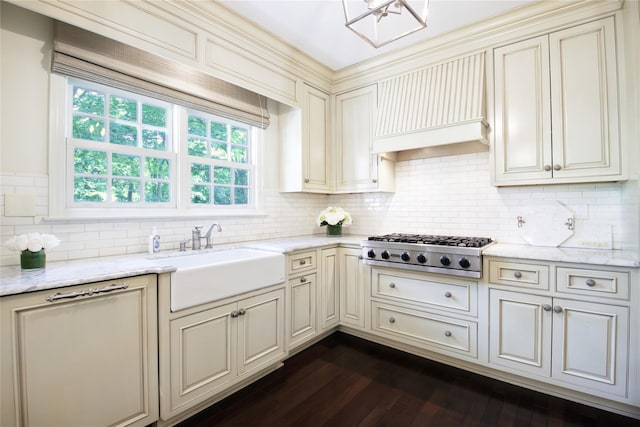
316 27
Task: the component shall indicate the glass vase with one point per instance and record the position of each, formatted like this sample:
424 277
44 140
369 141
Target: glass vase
30 260
334 230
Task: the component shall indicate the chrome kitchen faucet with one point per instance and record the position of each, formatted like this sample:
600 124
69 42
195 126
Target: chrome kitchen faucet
196 236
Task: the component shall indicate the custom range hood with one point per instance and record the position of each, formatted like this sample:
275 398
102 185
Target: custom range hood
434 110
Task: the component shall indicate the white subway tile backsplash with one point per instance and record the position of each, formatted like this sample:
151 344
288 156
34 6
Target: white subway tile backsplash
446 195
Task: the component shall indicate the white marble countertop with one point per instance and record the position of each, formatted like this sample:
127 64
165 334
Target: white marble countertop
617 258
13 280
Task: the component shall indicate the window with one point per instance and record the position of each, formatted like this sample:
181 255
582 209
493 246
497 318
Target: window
128 152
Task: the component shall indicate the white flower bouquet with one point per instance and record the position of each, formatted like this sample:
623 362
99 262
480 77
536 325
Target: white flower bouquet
334 216
33 242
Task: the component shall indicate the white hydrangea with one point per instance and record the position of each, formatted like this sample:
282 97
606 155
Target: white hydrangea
334 215
33 242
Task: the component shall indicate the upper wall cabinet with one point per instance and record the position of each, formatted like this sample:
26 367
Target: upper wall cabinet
556 108
305 145
358 168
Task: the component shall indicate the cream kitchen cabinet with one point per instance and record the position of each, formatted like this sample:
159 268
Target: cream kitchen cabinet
575 334
428 311
575 342
352 287
302 292
556 108
81 355
205 350
305 150
329 295
358 169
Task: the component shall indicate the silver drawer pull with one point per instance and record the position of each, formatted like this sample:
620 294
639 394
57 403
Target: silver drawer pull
447 294
303 279
392 285
86 292
590 282
447 333
517 275
392 320
302 262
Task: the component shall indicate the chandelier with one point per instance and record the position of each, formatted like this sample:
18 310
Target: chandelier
379 22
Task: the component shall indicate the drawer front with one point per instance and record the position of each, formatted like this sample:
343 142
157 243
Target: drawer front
443 293
597 283
523 275
425 330
302 261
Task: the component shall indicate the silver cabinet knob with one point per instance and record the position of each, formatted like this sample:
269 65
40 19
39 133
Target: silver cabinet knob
306 180
557 167
374 180
447 333
392 320
234 313
447 294
517 274
547 168
590 282
303 279
546 307
242 312
392 285
302 262
557 309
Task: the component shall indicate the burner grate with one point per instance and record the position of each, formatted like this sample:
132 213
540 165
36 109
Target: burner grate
468 242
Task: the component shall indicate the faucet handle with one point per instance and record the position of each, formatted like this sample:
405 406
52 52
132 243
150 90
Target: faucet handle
197 228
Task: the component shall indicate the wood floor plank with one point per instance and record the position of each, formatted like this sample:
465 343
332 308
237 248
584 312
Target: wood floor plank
345 381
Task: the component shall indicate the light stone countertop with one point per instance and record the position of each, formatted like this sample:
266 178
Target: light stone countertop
13 280
617 258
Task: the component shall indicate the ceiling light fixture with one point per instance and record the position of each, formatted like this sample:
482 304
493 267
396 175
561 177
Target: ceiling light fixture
379 22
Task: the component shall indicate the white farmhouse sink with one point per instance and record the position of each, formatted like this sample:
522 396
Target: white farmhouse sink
212 276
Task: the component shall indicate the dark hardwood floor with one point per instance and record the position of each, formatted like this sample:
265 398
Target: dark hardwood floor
346 381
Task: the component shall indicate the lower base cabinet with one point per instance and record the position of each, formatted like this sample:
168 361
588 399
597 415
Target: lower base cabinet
81 355
214 346
579 343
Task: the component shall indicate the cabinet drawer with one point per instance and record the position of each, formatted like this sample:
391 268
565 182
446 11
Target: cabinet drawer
425 330
302 261
519 274
597 283
443 293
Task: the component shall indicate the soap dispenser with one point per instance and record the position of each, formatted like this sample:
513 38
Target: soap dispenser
154 241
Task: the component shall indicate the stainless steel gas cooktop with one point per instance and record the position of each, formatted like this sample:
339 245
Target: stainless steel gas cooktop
452 255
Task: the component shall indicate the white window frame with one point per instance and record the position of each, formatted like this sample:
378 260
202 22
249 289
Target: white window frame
61 204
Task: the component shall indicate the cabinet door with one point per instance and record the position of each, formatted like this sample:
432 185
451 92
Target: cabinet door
303 315
357 166
83 361
315 140
520 332
203 356
585 101
329 296
522 112
352 288
260 331
590 345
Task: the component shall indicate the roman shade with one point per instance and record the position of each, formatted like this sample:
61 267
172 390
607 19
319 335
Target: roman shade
89 56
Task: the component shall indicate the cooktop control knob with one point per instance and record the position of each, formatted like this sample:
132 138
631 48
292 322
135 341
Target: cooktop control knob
444 260
386 254
371 253
464 263
405 256
421 258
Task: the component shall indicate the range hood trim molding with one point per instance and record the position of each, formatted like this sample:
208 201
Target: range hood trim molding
468 131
